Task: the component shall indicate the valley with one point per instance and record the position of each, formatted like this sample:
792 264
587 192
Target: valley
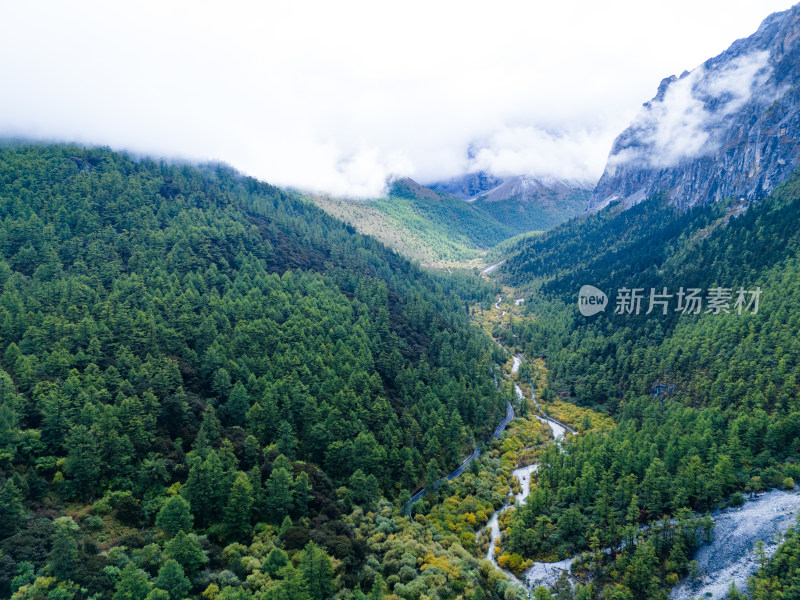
216 388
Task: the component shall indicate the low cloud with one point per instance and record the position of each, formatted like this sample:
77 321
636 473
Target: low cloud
336 97
686 122
575 155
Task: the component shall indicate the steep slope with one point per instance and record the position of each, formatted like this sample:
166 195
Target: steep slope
729 128
432 227
468 186
171 332
706 401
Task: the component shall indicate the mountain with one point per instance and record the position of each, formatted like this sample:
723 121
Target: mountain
433 227
705 399
468 186
530 204
701 197
193 361
729 128
520 202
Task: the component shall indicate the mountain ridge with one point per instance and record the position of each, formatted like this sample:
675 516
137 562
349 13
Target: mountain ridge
730 128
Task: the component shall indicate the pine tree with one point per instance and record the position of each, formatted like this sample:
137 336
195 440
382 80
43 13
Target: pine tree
11 509
237 405
287 442
133 584
239 509
175 516
64 553
82 459
377 589
252 452
185 549
172 579
275 561
279 495
364 490
302 493
291 586
432 474
317 570
205 487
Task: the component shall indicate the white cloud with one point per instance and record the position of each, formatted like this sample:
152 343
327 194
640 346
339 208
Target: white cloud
567 154
683 124
336 96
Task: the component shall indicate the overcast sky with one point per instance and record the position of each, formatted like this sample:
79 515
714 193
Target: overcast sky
336 96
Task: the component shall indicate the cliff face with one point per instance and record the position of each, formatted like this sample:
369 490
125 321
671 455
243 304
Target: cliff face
729 128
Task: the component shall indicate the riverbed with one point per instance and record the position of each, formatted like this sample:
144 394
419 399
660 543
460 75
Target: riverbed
730 556
541 573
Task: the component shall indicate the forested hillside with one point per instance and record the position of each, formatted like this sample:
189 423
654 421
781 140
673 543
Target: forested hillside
535 211
706 404
432 227
187 352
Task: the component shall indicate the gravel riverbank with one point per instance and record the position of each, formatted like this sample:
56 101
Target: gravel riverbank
730 556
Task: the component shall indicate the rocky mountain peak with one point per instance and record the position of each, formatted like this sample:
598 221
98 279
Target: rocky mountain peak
728 128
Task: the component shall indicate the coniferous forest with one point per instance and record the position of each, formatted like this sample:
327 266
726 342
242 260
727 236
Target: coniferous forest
213 390
194 362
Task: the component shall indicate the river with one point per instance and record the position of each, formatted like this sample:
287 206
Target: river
730 556
488 270
541 573
558 428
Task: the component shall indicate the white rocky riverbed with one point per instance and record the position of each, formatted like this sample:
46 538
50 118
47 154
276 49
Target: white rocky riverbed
540 573
730 557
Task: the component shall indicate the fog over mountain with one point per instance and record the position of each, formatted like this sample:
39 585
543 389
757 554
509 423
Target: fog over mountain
728 128
337 98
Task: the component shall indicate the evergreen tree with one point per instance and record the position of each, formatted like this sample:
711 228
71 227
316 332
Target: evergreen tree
279 494
185 549
287 442
237 405
433 473
172 579
11 509
291 586
82 459
275 561
175 516
317 570
239 509
205 487
64 552
302 493
377 589
133 584
364 490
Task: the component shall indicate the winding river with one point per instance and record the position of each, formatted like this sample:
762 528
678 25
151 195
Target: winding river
541 573
729 557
